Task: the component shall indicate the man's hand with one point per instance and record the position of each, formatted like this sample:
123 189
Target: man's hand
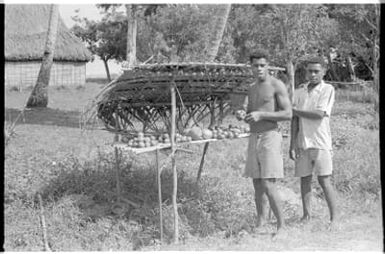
293 153
254 116
294 108
240 115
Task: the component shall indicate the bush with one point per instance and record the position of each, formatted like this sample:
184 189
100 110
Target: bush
14 89
357 169
61 87
80 87
364 95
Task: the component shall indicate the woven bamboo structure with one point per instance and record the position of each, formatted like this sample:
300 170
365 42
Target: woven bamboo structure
142 95
25 34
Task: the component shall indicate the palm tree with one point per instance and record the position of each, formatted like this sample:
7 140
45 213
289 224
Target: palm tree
39 95
131 11
219 28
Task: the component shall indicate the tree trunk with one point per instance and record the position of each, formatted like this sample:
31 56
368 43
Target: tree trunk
291 77
350 66
105 61
376 49
219 28
335 77
39 95
131 34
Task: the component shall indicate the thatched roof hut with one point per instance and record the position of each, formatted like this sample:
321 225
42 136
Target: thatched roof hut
25 33
26 28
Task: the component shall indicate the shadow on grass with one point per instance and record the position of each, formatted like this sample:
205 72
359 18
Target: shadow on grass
204 210
44 116
92 189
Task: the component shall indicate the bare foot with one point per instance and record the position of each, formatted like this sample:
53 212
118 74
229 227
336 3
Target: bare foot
305 219
260 222
280 234
334 226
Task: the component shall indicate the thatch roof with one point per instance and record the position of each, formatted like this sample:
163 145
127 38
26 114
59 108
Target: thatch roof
26 27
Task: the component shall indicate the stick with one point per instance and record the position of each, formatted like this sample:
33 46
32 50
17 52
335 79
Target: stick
175 177
129 202
202 161
125 199
116 139
184 150
117 173
159 195
42 220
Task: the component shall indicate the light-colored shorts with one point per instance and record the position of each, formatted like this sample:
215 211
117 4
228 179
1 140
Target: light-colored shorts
264 155
313 160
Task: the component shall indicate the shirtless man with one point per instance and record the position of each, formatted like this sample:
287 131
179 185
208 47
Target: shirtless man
266 104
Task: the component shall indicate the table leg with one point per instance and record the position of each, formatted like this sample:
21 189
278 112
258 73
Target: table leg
202 161
117 169
159 195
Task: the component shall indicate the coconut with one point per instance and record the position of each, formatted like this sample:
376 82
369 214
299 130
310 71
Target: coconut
186 131
125 139
140 135
221 136
130 142
207 134
195 133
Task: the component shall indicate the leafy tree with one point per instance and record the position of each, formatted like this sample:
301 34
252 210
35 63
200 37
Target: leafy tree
249 31
105 38
182 32
289 32
361 29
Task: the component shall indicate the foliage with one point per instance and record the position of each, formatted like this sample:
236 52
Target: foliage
183 30
360 28
184 33
105 38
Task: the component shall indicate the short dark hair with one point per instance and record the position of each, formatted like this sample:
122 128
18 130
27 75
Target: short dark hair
258 54
316 60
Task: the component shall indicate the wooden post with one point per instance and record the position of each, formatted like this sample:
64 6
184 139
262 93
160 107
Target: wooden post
116 139
221 112
212 114
43 225
159 172
202 161
175 176
117 173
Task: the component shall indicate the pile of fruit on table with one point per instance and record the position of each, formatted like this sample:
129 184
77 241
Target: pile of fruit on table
141 140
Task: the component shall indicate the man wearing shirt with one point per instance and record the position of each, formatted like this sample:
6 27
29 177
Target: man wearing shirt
311 144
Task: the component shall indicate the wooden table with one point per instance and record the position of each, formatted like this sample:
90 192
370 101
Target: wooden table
124 147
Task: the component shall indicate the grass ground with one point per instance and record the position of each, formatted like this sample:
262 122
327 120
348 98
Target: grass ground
74 173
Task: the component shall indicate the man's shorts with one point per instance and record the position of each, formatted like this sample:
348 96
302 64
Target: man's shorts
313 160
264 155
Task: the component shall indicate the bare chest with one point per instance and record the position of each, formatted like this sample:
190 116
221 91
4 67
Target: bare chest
262 97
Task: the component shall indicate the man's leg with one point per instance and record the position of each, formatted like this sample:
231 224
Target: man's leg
260 202
330 195
306 196
274 200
